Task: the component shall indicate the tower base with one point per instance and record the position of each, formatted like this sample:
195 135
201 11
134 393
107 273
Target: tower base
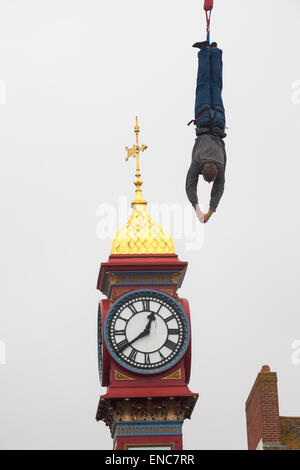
148 435
140 422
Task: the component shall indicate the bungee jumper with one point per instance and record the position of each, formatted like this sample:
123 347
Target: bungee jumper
209 154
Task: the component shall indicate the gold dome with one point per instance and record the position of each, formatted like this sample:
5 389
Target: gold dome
141 235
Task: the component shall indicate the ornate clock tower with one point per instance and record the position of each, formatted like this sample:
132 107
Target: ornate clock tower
144 334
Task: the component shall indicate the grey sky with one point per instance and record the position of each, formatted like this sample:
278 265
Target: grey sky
76 74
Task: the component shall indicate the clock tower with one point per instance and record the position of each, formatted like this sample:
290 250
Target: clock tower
144 334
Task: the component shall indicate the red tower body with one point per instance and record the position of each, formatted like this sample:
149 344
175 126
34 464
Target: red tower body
143 411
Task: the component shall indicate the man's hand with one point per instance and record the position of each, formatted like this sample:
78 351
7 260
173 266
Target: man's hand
204 218
208 216
199 213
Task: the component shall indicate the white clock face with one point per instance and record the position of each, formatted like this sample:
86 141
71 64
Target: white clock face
147 331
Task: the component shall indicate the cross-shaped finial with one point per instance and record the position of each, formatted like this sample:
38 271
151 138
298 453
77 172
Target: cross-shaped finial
135 152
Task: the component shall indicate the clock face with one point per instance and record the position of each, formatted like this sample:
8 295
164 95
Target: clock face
147 331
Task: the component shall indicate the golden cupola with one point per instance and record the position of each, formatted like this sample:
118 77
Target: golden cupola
141 235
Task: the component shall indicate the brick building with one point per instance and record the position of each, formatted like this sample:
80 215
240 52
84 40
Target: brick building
266 429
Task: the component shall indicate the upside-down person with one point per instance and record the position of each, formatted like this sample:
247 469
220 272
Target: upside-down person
209 155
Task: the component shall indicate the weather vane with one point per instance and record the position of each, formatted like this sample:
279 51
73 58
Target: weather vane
135 152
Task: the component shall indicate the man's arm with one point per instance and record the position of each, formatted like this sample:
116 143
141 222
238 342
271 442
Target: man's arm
217 191
191 189
192 183
199 214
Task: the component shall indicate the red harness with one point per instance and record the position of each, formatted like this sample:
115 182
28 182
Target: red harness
208 6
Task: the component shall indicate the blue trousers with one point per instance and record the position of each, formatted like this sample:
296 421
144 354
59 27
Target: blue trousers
209 89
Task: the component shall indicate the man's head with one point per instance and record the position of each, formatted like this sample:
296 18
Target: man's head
209 172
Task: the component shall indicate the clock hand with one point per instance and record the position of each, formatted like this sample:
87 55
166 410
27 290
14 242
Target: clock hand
141 335
151 318
144 333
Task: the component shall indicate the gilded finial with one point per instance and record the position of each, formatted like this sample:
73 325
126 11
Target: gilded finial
141 235
135 152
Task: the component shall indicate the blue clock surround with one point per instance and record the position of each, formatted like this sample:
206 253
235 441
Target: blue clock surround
159 295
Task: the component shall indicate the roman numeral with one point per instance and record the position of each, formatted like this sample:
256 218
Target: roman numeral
132 308
171 317
122 345
169 344
147 358
132 355
124 319
173 331
119 333
161 355
159 309
146 305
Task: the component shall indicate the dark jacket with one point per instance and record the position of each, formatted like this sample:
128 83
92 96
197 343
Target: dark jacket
209 148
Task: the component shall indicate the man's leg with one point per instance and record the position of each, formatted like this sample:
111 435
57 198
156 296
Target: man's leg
203 91
217 86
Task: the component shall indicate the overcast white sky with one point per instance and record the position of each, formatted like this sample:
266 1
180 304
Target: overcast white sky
76 74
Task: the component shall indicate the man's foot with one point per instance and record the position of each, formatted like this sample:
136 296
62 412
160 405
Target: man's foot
201 45
214 44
